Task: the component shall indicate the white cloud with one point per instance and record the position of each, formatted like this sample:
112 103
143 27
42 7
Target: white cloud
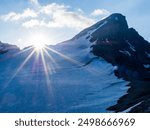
72 20
8 17
53 8
31 23
57 15
36 2
51 15
69 20
80 10
100 12
12 16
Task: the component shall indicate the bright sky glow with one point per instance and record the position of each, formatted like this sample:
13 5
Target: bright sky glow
38 40
39 47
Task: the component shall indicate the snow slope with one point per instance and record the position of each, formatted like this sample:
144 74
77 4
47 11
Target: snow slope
69 79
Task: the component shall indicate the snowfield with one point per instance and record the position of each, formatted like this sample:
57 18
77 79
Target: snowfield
60 80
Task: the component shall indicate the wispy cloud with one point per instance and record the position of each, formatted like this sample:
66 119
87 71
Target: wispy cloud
58 15
32 23
13 16
100 12
53 16
36 2
53 8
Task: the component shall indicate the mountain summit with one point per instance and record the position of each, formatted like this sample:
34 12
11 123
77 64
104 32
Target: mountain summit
120 45
115 23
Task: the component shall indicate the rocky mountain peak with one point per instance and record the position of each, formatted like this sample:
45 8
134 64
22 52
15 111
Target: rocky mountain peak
110 26
121 46
113 26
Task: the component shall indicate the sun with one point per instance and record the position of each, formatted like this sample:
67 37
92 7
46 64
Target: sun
39 46
39 40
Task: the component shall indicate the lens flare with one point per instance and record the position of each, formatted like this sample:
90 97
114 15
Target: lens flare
39 47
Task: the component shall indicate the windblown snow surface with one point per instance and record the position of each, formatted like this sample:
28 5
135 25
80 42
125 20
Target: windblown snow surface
61 80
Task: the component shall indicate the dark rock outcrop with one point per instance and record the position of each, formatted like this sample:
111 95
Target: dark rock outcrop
125 49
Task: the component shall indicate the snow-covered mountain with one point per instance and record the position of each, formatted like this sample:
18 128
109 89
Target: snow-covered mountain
88 73
4 48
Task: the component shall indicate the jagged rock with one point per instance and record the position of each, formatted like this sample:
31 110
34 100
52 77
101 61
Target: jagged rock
123 47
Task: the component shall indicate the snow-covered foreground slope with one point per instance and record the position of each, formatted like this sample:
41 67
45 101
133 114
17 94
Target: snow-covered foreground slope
88 89
63 78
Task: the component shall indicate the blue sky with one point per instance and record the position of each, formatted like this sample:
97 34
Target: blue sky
26 22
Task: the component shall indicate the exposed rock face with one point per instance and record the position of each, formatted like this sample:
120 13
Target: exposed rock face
123 47
137 99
